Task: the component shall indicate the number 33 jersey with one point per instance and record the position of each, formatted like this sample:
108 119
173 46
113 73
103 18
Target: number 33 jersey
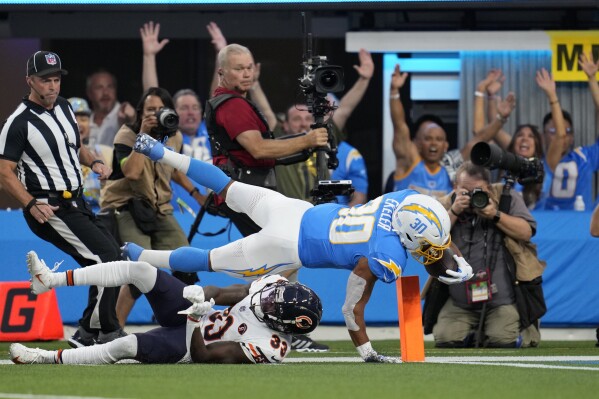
332 235
239 324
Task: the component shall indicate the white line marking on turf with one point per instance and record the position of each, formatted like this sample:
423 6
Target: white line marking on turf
528 366
448 359
30 396
509 361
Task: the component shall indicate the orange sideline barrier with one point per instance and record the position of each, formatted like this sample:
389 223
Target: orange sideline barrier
410 319
25 316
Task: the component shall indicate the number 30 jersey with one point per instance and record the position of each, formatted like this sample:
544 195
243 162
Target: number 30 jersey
332 235
239 324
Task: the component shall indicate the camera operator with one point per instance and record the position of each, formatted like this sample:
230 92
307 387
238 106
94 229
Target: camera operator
483 310
241 141
298 180
139 191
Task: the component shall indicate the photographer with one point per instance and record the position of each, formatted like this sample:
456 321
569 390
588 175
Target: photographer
139 191
241 141
483 311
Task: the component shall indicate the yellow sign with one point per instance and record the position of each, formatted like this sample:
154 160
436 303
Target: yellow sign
566 48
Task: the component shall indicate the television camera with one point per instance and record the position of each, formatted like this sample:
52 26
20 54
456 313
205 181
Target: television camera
318 79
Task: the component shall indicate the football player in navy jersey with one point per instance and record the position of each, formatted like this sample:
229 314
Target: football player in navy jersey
372 240
256 328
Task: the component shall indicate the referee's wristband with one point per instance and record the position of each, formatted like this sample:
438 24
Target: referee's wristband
193 191
30 205
95 162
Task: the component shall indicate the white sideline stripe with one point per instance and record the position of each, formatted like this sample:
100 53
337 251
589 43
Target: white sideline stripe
528 366
30 396
511 361
452 359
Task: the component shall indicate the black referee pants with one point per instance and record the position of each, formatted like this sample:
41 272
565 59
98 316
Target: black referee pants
75 230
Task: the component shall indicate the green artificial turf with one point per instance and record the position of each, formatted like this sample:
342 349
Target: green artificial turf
321 380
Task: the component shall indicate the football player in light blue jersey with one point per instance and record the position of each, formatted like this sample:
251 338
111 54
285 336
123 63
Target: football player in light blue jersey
371 240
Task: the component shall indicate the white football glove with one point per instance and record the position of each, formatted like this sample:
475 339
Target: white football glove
198 309
194 293
464 272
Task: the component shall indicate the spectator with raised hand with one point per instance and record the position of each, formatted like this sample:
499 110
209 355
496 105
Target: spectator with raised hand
590 68
418 162
219 42
526 141
491 86
568 172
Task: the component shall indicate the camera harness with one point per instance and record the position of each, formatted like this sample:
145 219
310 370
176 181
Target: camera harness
219 139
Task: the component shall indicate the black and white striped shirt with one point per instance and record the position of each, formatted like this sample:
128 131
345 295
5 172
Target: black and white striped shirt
44 144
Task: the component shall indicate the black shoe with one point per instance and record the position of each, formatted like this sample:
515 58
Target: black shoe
303 343
82 338
111 336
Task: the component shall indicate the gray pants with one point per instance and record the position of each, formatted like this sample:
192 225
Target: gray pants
501 326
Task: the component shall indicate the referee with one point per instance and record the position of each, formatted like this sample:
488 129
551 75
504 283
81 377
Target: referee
40 141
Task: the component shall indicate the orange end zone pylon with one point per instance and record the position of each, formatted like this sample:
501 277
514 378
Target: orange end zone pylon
410 319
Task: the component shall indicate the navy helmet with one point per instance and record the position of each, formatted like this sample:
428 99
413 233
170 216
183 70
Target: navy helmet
290 308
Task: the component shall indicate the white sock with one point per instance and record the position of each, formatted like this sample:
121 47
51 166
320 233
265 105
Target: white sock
178 161
115 274
156 258
109 353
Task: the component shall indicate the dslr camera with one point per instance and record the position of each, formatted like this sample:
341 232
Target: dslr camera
478 198
493 157
168 122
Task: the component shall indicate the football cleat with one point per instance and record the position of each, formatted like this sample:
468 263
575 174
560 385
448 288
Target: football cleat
20 354
82 338
131 251
149 147
303 343
41 275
